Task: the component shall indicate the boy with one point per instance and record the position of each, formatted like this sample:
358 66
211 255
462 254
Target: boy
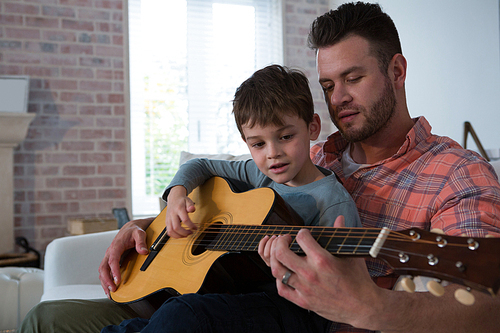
274 113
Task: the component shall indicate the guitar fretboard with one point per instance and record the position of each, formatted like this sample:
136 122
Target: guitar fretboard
341 241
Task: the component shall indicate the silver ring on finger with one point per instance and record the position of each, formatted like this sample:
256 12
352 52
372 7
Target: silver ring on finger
286 277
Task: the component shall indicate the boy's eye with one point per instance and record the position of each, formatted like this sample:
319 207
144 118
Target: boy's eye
257 144
287 137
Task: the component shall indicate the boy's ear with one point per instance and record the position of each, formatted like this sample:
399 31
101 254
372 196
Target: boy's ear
315 127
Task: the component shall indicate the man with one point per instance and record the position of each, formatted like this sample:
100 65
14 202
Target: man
398 174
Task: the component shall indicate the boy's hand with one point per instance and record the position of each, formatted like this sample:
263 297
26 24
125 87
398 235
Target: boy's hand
178 207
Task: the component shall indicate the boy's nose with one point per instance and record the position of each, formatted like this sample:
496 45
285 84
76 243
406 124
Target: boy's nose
273 151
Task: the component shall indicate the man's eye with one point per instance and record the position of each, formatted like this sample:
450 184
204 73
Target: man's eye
327 88
354 79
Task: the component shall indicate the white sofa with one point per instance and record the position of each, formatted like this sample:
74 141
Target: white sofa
71 265
21 289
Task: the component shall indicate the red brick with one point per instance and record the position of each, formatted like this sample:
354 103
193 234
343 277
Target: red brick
95 110
104 74
111 146
59 60
109 4
118 169
77 146
58 11
96 157
109 51
21 9
97 181
110 98
41 22
10 19
97 206
79 170
120 134
94 15
110 122
78 25
41 71
95 85
21 33
57 158
112 194
96 134
48 220
95 62
60 84
62 182
80 195
118 39
77 49
77 73
59 35
41 47
76 3
48 195
10 70
76 97
22 58
54 232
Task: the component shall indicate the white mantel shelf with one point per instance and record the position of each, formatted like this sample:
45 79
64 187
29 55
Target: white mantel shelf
13 129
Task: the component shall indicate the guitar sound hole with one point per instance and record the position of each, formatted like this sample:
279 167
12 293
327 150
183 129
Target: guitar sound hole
207 239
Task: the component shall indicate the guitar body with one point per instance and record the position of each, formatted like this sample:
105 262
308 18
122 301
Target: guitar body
184 266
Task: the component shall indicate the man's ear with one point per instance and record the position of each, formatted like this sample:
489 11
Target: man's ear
315 127
397 70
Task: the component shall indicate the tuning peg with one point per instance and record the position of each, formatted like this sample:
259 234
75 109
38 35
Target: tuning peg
435 288
464 297
437 231
408 285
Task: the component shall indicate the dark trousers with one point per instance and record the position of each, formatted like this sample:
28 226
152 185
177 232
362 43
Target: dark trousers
254 312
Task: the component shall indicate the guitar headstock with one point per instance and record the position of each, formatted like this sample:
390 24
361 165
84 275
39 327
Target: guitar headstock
472 262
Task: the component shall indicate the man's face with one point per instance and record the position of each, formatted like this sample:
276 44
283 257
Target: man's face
360 98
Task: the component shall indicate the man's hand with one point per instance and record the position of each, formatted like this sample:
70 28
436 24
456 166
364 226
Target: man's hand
335 288
179 206
131 235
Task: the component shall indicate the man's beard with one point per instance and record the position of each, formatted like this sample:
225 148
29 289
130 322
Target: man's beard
378 116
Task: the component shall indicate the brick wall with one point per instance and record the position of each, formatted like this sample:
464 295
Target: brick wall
73 162
299 14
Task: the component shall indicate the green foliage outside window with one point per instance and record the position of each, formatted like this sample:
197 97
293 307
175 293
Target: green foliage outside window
166 132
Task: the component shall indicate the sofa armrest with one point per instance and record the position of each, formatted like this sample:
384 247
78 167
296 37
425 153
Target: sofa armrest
75 259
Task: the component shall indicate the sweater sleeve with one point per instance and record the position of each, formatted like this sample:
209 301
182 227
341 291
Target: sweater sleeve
195 172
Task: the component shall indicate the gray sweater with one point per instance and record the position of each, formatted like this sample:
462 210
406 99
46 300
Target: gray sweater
318 203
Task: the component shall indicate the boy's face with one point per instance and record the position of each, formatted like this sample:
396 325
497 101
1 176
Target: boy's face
282 152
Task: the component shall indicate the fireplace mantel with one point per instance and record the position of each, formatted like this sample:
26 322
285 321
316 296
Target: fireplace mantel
13 129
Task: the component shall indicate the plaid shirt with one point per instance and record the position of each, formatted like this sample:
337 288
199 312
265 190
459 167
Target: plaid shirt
431 182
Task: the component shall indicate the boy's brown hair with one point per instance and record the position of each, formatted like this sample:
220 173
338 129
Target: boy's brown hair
271 93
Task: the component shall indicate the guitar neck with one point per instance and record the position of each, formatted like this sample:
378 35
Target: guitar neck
338 241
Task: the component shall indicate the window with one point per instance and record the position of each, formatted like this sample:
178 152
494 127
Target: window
187 57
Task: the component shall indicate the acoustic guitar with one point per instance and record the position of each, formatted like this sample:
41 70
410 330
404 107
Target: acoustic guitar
221 255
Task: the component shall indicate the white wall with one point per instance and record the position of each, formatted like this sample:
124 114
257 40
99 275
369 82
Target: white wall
453 53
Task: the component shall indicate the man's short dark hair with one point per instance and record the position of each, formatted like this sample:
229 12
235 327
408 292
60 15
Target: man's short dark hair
271 93
362 19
